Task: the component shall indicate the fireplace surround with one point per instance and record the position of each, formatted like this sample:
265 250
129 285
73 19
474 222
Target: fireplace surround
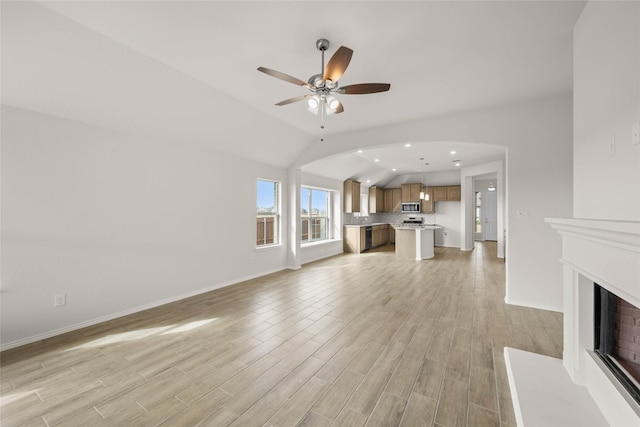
617 338
597 254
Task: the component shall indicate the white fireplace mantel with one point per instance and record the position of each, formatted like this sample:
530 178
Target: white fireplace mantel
607 253
593 251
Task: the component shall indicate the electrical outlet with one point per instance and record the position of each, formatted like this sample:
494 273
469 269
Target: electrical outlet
59 300
522 214
635 134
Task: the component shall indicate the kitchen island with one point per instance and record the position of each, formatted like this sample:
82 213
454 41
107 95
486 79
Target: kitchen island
415 242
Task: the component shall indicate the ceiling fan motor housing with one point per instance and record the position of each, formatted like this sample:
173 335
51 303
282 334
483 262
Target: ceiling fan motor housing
322 44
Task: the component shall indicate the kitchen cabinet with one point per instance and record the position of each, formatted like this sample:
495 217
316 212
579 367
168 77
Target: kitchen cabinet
355 237
388 200
439 194
411 192
351 196
392 200
380 235
392 235
453 193
427 205
354 240
444 194
396 200
376 199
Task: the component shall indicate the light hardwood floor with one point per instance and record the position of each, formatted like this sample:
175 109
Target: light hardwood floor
348 341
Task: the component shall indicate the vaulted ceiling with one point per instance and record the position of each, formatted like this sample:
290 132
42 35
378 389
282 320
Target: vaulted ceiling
186 71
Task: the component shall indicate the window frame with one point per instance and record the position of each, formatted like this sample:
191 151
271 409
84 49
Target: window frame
308 205
277 216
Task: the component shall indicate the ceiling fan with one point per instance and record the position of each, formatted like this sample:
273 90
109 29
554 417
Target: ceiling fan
323 86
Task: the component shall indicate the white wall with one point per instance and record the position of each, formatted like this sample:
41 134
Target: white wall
118 223
606 106
538 136
448 216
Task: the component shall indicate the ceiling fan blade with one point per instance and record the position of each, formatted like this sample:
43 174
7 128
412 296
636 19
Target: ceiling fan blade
364 88
283 76
296 99
337 64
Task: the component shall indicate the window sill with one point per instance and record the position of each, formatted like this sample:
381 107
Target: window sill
319 243
268 247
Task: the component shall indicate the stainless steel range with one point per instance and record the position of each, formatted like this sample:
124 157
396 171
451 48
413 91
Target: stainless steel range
413 221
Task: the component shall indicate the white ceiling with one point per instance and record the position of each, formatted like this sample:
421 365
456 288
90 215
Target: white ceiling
186 71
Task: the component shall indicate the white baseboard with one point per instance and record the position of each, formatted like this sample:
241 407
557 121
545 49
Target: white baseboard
108 317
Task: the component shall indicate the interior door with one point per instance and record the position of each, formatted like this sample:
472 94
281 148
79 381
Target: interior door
490 214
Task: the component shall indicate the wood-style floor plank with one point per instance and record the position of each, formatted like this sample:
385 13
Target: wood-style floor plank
352 340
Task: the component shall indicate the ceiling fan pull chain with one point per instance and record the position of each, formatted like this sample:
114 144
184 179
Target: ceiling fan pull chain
321 122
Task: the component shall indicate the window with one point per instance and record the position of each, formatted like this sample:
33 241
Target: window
267 213
314 214
364 205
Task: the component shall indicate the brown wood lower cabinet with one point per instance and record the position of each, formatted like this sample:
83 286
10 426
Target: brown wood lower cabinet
380 235
354 240
354 237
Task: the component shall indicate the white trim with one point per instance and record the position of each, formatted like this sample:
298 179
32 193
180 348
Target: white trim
607 253
123 313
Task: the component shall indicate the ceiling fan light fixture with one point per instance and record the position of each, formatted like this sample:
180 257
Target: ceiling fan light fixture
491 187
332 103
325 84
313 102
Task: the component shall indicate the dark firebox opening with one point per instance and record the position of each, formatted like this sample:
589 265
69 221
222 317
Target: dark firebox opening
617 338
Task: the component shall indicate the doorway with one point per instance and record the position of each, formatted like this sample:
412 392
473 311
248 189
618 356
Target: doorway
486 211
490 215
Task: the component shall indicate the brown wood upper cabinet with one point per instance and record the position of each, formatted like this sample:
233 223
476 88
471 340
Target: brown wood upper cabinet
351 196
376 199
427 205
411 192
397 199
449 193
392 200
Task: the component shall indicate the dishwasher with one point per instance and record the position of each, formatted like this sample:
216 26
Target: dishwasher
368 237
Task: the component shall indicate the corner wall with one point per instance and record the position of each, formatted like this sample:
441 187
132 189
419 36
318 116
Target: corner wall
606 106
118 223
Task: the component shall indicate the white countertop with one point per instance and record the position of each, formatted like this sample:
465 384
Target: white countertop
416 227
368 224
399 226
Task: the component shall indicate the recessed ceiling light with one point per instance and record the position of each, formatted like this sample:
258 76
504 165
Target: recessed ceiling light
394 169
376 160
359 151
368 181
458 164
407 145
452 152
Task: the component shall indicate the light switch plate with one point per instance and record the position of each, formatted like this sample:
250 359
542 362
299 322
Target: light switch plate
635 134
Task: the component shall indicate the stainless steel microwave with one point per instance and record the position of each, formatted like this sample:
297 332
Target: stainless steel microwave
411 207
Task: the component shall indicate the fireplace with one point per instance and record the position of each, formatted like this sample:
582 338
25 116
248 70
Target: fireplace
601 275
617 338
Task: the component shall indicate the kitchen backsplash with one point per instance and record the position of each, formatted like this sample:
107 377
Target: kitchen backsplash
386 217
